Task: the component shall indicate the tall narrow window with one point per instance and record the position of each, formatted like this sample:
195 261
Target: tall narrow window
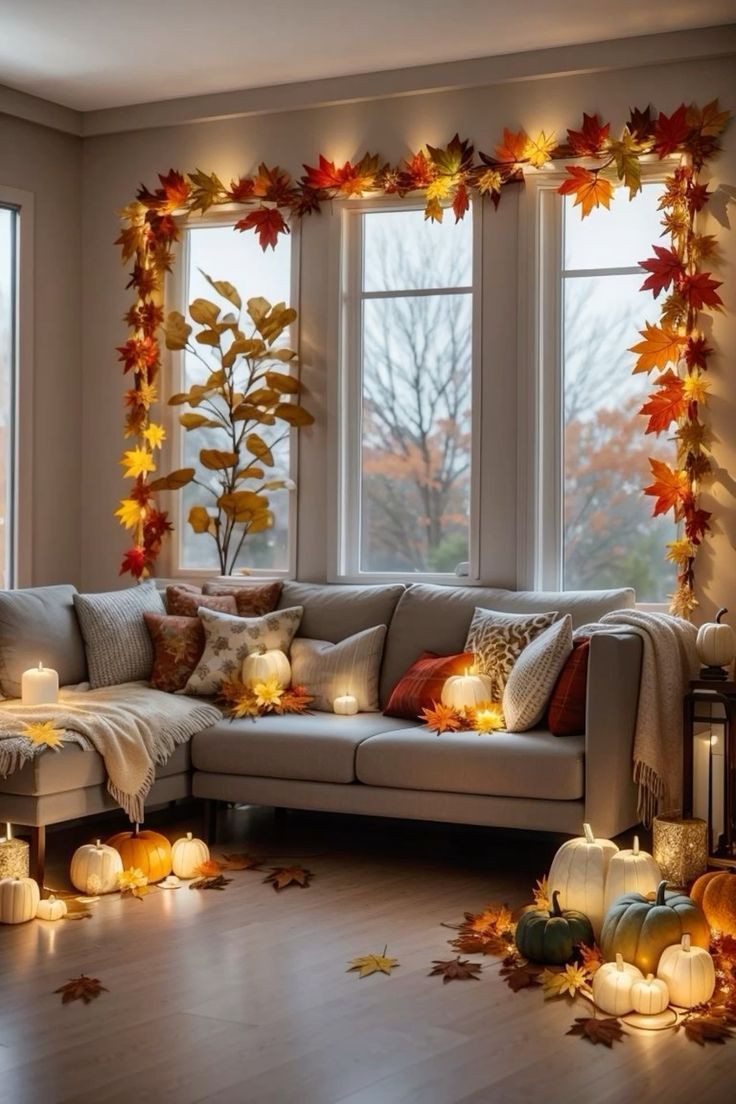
8 360
609 536
409 401
237 258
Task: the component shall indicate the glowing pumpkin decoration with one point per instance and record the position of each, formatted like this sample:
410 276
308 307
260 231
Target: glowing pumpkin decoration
19 899
51 909
187 854
147 851
579 871
612 985
95 868
689 973
715 892
264 665
641 930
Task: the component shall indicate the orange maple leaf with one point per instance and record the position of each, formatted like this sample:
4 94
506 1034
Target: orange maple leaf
669 488
513 146
590 189
660 346
590 139
666 405
442 718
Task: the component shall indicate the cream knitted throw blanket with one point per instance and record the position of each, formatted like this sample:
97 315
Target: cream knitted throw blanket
133 727
669 660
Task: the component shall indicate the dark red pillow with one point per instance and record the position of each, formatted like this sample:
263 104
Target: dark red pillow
178 643
421 686
566 712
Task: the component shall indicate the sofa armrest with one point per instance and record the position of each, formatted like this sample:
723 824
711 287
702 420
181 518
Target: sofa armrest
614 670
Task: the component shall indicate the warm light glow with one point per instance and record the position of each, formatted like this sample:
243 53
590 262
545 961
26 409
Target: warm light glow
680 848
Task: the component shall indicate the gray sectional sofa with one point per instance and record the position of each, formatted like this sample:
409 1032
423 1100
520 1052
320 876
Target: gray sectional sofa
377 765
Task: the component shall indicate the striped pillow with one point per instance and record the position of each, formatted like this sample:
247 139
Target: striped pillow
566 715
330 670
421 686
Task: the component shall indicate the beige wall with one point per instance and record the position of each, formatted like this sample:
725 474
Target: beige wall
47 163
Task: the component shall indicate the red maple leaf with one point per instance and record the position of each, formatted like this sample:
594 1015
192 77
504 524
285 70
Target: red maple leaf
273 184
461 202
241 190
640 123
671 131
669 488
665 269
417 173
347 179
176 188
700 290
696 524
590 139
267 222
666 405
134 563
697 352
138 353
697 196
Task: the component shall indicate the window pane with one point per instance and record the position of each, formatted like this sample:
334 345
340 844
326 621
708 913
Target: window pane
403 250
8 237
610 536
617 238
237 258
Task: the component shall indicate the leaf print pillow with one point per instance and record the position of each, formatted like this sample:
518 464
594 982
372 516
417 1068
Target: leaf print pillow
229 639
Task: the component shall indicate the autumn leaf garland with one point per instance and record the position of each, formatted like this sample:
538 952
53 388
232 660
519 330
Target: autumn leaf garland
447 177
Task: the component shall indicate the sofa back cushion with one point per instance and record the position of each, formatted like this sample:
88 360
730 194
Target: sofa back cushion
437 618
40 624
333 612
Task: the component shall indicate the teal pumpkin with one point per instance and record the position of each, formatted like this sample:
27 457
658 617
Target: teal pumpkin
641 930
551 936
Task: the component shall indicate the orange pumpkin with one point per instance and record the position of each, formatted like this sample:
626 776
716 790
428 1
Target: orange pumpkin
715 892
148 851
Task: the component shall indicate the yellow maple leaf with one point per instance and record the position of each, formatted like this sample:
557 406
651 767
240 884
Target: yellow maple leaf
488 717
268 692
695 389
537 150
439 188
570 980
489 181
155 435
679 551
372 964
132 878
137 462
44 733
683 602
130 513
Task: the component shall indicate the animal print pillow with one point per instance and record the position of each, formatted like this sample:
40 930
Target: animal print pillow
498 639
229 639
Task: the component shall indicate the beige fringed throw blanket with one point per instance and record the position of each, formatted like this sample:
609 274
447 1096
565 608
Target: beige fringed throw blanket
669 661
133 727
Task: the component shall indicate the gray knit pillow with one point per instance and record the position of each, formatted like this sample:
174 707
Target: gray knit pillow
116 639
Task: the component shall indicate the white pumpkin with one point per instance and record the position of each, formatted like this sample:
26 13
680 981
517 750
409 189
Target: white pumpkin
612 984
650 995
579 871
631 871
187 854
689 973
95 868
716 642
19 899
51 909
262 665
466 691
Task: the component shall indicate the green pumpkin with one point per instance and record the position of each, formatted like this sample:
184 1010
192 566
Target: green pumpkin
552 936
641 930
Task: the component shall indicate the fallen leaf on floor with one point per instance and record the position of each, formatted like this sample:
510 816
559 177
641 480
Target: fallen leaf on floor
82 988
591 958
455 969
707 1029
372 964
210 868
283 876
570 980
242 861
481 944
607 1031
218 881
519 974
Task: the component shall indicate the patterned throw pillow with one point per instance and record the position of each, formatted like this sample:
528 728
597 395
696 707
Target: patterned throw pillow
116 639
178 643
567 706
421 686
330 670
534 675
498 639
252 599
184 601
228 640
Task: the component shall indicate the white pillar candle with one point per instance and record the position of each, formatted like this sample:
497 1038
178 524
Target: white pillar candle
346 705
39 686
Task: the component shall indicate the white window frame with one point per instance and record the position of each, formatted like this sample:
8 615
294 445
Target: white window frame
345 400
540 411
21 453
177 298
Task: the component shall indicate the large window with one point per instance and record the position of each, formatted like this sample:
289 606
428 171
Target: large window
214 249
408 394
8 360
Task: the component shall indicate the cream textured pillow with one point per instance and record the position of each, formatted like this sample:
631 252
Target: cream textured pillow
330 670
498 639
534 675
229 639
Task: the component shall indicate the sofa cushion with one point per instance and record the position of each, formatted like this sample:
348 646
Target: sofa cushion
116 639
178 643
73 768
329 670
334 612
528 764
313 747
437 618
184 601
40 624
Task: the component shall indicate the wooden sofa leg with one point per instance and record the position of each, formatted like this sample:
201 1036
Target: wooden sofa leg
37 857
210 820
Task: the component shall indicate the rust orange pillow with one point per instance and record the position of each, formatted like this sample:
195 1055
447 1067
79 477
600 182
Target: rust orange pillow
178 643
421 685
184 601
566 711
251 599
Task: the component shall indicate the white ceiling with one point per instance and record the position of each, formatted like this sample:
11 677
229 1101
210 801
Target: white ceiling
91 54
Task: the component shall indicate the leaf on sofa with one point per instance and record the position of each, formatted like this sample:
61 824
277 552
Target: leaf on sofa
283 876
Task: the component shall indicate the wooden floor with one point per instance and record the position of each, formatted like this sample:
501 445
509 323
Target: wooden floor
242 996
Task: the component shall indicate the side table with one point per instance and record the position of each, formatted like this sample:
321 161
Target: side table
702 695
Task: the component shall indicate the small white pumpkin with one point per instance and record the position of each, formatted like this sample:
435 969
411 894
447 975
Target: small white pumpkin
263 665
716 642
689 973
612 984
650 995
466 691
579 871
187 854
19 899
631 871
95 868
51 909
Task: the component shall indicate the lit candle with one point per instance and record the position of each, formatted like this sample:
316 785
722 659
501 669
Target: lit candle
39 686
346 705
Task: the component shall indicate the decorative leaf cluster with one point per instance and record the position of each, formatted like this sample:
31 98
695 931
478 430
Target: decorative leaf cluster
241 700
484 717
